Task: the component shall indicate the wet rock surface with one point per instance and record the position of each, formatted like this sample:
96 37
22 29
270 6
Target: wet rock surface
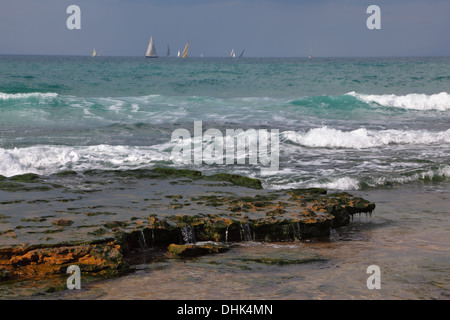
99 218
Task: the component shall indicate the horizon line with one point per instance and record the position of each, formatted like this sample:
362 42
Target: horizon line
225 57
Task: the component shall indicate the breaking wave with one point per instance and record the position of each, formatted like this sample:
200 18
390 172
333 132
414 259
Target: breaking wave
20 96
361 138
413 101
46 160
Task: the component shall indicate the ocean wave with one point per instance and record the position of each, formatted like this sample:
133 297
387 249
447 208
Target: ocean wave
20 96
46 160
354 182
441 173
413 101
343 183
361 138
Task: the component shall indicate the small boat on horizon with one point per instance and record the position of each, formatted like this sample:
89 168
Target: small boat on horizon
93 53
151 50
233 54
185 51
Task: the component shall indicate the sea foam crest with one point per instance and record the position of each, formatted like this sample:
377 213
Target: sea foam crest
441 173
362 138
17 96
413 101
47 160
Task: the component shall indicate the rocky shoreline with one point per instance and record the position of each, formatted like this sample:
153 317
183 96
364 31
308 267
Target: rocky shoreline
186 214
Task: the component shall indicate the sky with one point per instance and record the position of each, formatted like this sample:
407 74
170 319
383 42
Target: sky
264 28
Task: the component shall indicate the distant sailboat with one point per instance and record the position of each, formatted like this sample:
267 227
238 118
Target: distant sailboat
151 51
242 54
179 53
93 53
168 51
233 54
185 51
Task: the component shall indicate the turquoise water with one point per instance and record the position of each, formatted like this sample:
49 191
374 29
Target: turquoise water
377 127
347 124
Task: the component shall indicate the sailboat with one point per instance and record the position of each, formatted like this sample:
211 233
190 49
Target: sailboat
233 54
185 51
168 51
93 53
151 51
242 54
179 53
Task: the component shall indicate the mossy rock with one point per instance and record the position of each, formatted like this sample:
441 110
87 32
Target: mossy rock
236 180
307 191
14 186
195 250
27 177
62 222
66 173
10 186
177 173
98 232
116 224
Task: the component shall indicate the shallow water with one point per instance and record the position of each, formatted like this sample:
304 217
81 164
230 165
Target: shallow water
407 236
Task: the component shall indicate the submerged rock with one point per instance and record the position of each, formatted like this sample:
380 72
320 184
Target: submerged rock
62 222
194 250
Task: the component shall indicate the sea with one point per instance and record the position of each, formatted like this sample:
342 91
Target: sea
374 127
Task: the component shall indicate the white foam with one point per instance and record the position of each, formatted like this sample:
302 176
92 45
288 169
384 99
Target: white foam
51 159
337 183
14 96
35 159
413 101
362 138
441 172
344 183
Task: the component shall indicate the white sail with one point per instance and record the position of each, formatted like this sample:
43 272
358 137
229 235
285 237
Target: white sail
185 51
179 53
151 51
233 54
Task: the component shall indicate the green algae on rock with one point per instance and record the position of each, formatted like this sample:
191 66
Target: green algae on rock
194 250
101 217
